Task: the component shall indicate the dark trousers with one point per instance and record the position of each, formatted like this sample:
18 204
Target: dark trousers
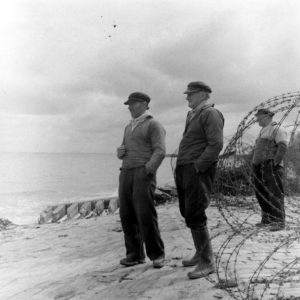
268 183
138 214
194 191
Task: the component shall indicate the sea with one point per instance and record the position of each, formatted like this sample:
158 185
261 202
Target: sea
30 182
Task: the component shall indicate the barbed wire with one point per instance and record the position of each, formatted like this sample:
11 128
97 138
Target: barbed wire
235 196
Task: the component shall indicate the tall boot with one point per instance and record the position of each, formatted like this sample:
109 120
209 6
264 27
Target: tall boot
206 264
197 256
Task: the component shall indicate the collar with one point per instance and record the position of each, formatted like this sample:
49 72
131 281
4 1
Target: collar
200 106
142 117
271 124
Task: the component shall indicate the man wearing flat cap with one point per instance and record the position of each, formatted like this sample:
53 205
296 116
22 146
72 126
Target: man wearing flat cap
196 167
270 148
141 152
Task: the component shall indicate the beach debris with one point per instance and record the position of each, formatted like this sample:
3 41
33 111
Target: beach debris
90 215
63 219
218 295
4 223
226 283
161 197
63 235
117 229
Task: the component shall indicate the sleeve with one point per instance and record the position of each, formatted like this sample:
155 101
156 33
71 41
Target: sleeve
281 140
157 137
281 136
213 126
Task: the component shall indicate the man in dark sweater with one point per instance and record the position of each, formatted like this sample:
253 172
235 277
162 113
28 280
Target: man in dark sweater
196 167
142 152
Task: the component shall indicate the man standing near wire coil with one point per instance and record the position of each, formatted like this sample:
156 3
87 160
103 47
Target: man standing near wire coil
270 148
196 167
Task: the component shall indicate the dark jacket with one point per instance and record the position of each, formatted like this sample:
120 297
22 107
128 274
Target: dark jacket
145 145
202 139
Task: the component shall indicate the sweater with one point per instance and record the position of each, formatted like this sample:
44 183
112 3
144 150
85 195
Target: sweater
202 139
145 145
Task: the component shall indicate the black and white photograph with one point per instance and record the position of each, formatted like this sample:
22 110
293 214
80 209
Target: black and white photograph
150 149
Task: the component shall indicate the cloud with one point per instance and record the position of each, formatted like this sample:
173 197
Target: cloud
72 64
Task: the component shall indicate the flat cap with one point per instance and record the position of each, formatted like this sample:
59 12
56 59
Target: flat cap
264 111
137 97
197 86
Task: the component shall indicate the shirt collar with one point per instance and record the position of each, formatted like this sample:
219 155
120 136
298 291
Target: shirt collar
200 106
141 117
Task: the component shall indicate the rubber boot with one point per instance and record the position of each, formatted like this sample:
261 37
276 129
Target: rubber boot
265 220
197 256
206 264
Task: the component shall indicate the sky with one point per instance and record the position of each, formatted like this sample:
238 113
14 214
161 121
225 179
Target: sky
67 66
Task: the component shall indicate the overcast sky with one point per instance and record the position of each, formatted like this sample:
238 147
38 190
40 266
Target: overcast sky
67 66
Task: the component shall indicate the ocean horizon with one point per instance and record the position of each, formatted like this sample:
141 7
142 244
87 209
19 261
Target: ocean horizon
31 181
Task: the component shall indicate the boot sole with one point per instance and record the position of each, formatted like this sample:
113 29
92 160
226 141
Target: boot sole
190 264
198 275
134 263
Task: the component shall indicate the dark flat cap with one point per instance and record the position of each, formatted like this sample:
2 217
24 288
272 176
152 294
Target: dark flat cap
197 86
264 111
137 97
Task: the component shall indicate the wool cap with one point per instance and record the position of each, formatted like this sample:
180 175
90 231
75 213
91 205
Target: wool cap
137 97
197 86
264 111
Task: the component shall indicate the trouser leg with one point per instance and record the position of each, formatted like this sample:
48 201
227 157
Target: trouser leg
143 202
194 191
261 192
194 194
129 221
274 182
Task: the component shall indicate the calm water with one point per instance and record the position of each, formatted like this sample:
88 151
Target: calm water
29 182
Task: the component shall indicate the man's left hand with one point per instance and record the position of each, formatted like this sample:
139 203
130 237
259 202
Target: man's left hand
148 170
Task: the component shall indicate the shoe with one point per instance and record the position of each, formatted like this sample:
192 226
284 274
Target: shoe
129 262
262 224
159 262
202 271
277 227
193 261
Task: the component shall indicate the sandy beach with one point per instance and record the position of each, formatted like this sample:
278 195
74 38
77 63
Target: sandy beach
79 259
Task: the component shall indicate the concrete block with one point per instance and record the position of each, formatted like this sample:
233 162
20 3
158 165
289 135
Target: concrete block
46 215
85 209
113 205
59 212
73 210
99 207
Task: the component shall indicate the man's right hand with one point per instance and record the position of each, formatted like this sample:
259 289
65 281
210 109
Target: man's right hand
121 151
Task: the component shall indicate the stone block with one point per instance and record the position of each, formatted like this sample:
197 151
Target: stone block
59 212
85 208
46 215
73 210
113 205
99 207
